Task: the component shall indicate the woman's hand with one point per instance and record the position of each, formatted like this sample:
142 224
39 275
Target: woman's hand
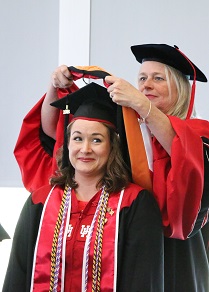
125 94
61 77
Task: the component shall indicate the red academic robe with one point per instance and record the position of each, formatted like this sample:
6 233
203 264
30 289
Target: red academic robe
178 180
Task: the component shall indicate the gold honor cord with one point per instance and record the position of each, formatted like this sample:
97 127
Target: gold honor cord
55 238
97 256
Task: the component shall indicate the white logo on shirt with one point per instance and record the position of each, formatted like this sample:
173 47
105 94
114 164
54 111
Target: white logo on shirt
69 231
84 230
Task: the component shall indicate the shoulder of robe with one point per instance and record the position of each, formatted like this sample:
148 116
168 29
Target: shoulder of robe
40 195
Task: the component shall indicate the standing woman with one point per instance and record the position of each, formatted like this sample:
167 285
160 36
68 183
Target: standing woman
177 149
176 146
91 230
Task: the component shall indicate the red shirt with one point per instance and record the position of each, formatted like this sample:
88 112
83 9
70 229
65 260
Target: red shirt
81 217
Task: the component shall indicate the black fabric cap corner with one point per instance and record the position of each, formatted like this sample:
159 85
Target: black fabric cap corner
3 233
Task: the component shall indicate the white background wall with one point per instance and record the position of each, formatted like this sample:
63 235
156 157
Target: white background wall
37 36
29 31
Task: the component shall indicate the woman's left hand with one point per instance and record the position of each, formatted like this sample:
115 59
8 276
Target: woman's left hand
123 93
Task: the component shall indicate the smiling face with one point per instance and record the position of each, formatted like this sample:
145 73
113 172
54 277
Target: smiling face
159 88
89 148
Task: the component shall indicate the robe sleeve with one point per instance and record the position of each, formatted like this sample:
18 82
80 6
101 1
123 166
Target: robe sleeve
34 150
180 183
18 275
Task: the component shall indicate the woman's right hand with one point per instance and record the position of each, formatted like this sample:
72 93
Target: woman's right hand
61 77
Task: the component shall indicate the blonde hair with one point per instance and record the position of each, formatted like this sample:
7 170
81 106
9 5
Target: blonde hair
180 108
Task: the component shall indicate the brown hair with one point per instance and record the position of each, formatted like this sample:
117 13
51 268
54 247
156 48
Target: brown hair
116 177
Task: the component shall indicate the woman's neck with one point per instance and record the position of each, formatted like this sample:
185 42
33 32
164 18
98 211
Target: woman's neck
87 188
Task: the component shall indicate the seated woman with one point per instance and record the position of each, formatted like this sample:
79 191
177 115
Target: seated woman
90 230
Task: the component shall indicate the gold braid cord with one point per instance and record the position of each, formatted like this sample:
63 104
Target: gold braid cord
55 238
97 256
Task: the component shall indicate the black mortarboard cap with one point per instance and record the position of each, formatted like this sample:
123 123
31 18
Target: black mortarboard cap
91 102
168 55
